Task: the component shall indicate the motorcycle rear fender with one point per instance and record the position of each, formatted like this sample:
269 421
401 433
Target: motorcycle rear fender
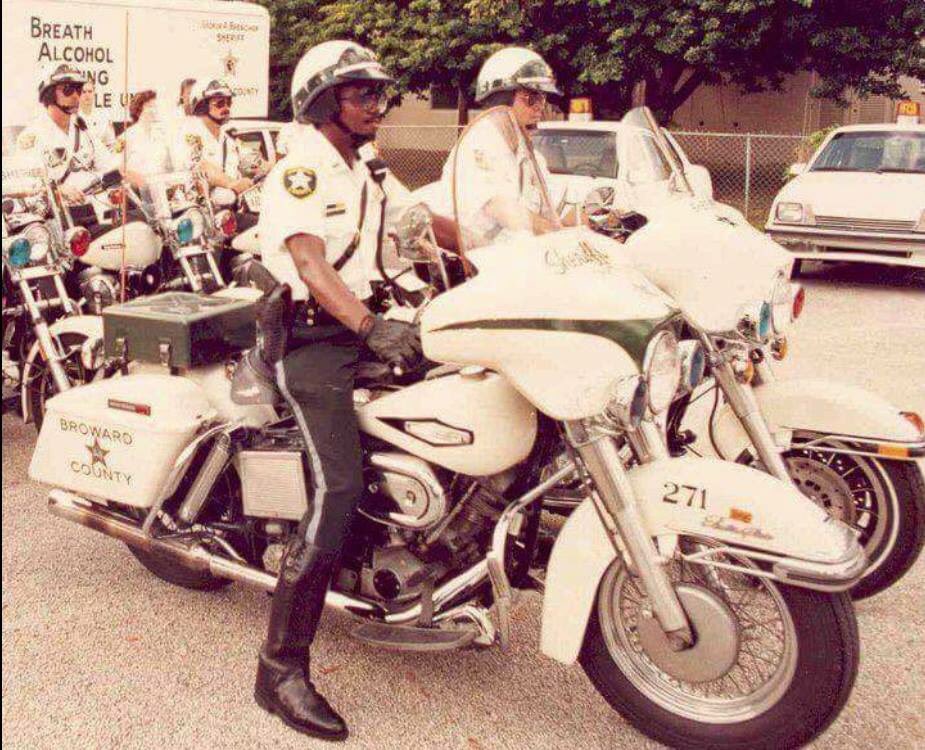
760 516
855 415
90 326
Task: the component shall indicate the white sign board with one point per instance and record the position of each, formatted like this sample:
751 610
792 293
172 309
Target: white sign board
126 46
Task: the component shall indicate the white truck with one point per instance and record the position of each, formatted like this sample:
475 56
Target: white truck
126 46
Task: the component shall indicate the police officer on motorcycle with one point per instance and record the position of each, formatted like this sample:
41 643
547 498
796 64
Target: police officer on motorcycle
324 209
494 177
60 141
198 142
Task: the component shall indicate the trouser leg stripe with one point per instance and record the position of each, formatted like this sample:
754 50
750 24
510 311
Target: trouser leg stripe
318 481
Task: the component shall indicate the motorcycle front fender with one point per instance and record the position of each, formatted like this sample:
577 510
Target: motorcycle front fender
89 326
871 423
722 503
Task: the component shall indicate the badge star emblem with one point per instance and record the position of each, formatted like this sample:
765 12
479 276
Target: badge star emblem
97 454
299 181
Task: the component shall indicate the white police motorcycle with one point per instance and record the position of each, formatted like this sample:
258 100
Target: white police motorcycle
705 600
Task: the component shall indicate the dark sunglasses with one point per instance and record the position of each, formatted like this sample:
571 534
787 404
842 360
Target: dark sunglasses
533 98
221 102
69 89
371 101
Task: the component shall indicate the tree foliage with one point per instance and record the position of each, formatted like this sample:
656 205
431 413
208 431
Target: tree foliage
610 49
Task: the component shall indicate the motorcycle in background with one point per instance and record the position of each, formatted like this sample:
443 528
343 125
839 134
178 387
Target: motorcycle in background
49 345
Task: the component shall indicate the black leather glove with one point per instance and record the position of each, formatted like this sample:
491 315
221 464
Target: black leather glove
393 341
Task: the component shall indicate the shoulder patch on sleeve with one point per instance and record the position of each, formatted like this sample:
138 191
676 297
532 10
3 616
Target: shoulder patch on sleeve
300 182
26 140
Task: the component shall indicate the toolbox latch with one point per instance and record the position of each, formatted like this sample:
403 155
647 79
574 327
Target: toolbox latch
163 349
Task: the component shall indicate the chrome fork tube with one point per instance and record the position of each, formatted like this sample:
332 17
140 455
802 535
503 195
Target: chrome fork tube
46 341
194 281
648 442
602 460
745 405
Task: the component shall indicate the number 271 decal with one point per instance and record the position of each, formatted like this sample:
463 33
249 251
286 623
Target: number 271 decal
685 494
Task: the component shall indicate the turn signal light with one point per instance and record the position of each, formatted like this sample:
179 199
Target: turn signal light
78 240
116 197
226 223
915 420
799 300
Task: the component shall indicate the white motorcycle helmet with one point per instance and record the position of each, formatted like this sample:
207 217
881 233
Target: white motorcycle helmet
60 74
510 69
203 90
326 66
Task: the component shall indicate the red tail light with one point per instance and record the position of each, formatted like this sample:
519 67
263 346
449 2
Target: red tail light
227 223
799 299
78 240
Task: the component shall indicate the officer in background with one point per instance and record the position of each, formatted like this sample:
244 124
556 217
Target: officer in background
98 122
59 140
324 206
493 176
198 142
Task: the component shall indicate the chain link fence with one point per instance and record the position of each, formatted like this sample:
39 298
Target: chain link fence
748 169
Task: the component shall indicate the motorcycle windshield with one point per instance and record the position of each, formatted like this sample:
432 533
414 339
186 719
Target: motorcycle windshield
169 193
498 185
22 177
650 158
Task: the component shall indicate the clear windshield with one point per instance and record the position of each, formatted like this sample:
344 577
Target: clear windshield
498 182
169 193
576 152
649 156
873 151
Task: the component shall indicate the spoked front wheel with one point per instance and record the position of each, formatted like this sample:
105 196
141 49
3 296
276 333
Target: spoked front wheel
882 500
771 665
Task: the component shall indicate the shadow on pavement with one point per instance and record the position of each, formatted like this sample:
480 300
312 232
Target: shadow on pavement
863 274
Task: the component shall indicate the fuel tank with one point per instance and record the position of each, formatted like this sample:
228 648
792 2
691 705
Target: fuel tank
472 422
142 247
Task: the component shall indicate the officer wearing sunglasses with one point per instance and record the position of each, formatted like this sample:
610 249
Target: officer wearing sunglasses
60 140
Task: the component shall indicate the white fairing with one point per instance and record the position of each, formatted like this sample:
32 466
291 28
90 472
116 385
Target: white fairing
709 264
743 507
95 443
477 425
142 247
815 405
561 315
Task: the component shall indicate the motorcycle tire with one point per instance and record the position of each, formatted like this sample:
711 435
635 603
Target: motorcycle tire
43 387
890 497
170 571
823 664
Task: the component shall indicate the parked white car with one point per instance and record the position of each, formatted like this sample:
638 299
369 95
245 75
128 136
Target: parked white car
582 156
861 197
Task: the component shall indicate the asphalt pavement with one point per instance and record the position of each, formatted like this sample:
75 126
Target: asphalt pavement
97 653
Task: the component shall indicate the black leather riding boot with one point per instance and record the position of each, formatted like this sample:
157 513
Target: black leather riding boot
283 685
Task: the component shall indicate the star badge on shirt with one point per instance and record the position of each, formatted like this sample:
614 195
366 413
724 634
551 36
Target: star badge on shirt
299 182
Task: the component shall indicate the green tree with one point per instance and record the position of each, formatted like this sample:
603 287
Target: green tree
610 49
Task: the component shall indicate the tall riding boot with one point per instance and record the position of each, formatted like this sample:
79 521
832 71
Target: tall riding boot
283 685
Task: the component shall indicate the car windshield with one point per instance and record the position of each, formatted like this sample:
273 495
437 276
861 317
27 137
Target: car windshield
578 152
873 151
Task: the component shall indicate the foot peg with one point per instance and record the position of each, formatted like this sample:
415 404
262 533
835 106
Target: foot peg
405 638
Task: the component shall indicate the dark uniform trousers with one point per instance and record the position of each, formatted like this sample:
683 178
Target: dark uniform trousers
316 378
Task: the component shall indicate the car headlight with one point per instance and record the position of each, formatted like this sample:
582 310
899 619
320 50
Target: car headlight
40 240
693 363
790 213
755 322
189 226
628 405
662 368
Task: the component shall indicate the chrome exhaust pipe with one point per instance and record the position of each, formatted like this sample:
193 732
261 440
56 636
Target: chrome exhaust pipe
79 510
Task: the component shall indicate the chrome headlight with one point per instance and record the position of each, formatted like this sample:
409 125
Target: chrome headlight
790 213
662 368
190 226
755 322
40 240
693 364
628 405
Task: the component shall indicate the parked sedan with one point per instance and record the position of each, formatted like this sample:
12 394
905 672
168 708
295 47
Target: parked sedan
860 198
